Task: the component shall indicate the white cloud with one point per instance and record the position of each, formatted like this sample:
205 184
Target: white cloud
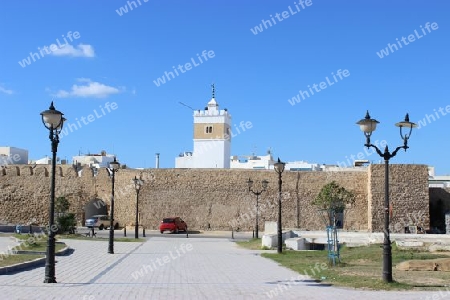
78 51
62 94
6 91
89 89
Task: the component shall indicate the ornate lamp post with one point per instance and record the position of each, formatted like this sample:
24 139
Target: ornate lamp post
113 167
279 168
264 184
368 125
53 120
138 182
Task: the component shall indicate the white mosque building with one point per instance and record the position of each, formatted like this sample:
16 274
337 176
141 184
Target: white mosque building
212 139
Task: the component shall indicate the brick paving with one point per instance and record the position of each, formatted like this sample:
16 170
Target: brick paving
174 268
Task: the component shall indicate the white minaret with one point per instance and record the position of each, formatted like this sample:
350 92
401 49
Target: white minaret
212 136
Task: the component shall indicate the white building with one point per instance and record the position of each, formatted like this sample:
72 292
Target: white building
440 181
42 161
264 162
301 166
212 139
47 161
358 165
101 160
13 156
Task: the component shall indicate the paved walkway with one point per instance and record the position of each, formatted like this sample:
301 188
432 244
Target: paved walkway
175 268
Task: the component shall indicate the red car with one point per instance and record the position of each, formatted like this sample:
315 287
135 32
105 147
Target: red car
174 225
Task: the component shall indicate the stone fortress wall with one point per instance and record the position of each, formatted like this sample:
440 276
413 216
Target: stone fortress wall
217 198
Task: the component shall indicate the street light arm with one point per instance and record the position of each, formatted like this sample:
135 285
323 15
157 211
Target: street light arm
386 154
376 149
398 148
257 193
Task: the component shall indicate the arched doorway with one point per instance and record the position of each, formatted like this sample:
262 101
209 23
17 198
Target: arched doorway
95 207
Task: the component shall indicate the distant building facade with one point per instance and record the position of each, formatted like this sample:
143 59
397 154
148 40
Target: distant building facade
13 156
101 160
42 161
266 162
252 162
437 181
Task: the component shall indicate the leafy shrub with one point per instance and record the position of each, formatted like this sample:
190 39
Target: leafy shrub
66 223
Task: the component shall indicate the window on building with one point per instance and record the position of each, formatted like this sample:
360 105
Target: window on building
208 129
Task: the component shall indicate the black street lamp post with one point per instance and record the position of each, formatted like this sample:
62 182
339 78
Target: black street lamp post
113 167
53 120
138 182
368 125
257 193
279 168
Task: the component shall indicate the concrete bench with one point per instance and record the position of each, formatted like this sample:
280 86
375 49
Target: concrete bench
297 244
271 240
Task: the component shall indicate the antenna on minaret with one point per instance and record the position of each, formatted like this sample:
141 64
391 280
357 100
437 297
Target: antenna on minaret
213 87
186 105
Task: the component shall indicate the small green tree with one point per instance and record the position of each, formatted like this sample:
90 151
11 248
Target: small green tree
333 198
66 221
62 205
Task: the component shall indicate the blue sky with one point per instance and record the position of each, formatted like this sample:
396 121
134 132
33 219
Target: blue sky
115 59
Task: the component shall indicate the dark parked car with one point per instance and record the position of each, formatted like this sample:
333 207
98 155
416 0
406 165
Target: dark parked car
174 225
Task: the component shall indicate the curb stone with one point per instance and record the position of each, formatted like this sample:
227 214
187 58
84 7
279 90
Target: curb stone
33 263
